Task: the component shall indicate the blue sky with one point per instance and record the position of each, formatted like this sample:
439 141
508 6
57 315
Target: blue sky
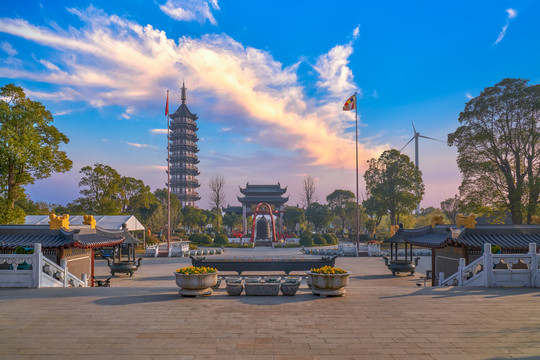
267 80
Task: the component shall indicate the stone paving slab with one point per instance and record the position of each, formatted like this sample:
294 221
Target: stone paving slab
381 317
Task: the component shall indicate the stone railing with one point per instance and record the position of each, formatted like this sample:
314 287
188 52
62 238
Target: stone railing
43 272
152 250
492 270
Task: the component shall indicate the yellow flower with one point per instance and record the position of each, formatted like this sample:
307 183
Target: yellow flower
195 270
328 270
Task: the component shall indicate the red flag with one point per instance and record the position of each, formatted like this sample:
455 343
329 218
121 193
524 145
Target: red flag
167 106
350 104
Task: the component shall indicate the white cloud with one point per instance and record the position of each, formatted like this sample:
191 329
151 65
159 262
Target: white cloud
127 114
334 72
64 112
158 131
356 32
64 94
137 145
49 65
225 129
511 14
469 96
8 48
112 58
189 10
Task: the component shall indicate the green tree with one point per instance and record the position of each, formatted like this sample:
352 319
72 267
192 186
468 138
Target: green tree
292 216
318 215
394 181
29 149
451 208
127 189
337 202
375 210
232 221
193 217
176 207
101 190
498 146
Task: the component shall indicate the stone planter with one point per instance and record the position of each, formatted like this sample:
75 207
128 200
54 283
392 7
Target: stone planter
328 284
262 289
234 286
195 284
290 286
218 283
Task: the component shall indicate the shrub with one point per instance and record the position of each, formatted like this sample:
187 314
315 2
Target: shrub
192 246
318 240
306 241
328 239
151 240
194 238
205 240
221 239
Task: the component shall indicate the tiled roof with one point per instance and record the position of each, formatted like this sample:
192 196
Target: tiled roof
263 199
508 237
270 190
12 236
183 111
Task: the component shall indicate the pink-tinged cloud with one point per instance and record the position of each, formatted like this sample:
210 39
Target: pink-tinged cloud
116 56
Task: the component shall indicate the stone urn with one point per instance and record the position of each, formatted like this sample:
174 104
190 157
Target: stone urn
196 284
328 284
234 286
290 285
401 266
127 267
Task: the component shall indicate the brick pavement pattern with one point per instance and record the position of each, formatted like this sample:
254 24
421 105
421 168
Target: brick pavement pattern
381 317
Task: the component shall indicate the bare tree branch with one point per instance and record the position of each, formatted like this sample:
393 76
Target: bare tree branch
217 194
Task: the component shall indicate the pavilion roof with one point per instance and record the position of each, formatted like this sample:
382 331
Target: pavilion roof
12 236
262 190
508 237
272 200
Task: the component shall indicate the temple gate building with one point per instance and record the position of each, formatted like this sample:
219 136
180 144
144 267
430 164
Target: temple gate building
183 153
256 194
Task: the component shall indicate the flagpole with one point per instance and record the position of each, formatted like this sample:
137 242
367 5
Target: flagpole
168 177
357 204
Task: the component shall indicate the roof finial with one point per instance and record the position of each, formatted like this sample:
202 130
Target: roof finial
183 92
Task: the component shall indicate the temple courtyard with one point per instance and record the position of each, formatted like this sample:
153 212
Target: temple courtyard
381 317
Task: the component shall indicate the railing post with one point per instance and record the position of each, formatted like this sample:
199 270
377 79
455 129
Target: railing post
84 278
534 264
441 278
488 265
461 269
37 266
63 263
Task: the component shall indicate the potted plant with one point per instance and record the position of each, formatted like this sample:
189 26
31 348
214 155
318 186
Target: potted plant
328 281
234 286
290 285
196 280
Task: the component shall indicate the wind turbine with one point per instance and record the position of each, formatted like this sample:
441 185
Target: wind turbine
415 138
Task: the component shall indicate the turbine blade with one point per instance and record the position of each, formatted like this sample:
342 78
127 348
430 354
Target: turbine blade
430 138
406 144
413 126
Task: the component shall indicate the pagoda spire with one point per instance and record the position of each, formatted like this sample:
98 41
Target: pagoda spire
183 93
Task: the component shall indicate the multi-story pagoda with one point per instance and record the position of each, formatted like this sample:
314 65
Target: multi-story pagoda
256 194
183 153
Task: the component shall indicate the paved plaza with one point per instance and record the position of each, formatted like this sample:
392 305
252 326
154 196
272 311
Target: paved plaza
381 317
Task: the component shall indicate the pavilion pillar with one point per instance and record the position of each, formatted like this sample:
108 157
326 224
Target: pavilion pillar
244 222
